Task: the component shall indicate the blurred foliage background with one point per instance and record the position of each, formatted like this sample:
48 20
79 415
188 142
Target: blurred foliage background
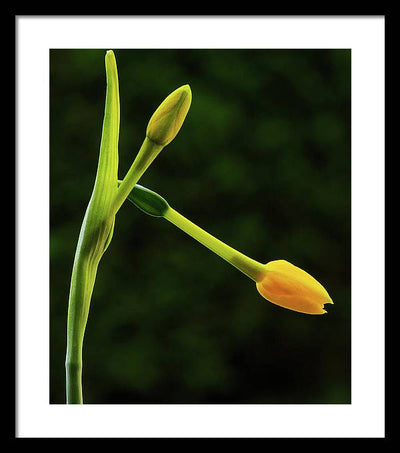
263 163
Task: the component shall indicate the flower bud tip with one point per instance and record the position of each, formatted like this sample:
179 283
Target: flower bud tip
167 120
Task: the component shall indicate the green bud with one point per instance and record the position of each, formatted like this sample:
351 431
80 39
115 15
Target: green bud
169 117
148 201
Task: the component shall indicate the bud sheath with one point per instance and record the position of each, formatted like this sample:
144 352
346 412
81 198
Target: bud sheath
148 201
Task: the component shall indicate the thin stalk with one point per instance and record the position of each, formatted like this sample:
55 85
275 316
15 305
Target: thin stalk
243 263
147 153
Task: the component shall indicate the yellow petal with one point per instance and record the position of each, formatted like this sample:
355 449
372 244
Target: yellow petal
290 287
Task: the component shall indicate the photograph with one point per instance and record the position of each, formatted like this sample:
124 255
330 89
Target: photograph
200 226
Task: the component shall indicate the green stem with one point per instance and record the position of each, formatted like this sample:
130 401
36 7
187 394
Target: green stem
147 153
95 235
248 266
74 381
75 331
82 283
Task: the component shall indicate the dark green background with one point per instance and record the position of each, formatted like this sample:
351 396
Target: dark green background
263 163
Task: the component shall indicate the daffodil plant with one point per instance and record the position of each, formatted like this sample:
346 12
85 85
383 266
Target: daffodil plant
107 197
278 281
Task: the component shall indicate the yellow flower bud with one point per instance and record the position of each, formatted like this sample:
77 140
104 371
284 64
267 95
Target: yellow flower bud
169 117
290 287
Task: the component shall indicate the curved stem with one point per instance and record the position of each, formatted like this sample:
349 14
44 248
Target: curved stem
248 266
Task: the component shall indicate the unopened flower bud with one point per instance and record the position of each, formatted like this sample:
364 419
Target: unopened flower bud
290 287
169 117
